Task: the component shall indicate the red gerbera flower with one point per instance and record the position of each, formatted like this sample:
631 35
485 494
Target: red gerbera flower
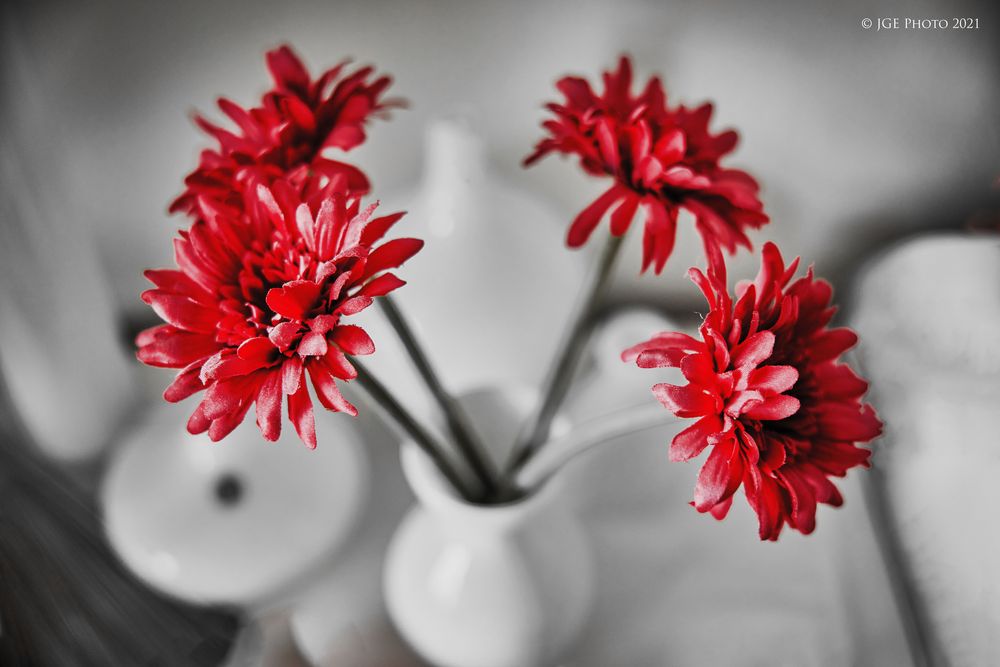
779 411
663 159
260 300
289 134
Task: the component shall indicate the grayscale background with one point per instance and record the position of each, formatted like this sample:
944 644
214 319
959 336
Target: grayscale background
860 139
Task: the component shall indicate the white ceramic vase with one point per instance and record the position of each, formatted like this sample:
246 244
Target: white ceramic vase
488 586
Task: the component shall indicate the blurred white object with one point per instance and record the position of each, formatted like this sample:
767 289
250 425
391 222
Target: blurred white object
59 341
233 522
937 298
929 317
492 290
341 612
502 586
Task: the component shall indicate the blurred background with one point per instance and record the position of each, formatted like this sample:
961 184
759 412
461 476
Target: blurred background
860 138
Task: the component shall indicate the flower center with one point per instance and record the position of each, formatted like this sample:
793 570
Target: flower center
246 311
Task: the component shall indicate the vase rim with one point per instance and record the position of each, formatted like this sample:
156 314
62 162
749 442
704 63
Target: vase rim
433 489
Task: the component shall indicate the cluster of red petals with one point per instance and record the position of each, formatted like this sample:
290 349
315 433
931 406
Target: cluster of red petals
259 302
779 411
662 159
288 135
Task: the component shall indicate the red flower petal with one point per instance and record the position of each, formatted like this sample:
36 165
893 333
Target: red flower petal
753 351
291 375
660 358
241 117
258 350
661 226
312 345
622 217
353 340
300 413
576 90
665 340
769 506
719 476
269 406
607 144
699 369
377 228
849 423
225 425
803 500
283 335
774 407
649 171
198 422
720 510
338 364
323 323
230 366
839 382
177 282
181 311
187 383
685 401
390 255
670 147
174 349
295 299
690 442
345 137
222 398
743 402
300 113
588 219
776 379
381 285
773 455
831 344
327 392
354 305
288 71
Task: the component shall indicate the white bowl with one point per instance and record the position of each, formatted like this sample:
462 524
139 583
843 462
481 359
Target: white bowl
236 521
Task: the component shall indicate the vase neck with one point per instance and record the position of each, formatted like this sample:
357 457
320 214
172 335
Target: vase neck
456 156
437 496
455 169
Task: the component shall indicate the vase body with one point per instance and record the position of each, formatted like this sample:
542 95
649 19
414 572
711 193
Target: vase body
488 586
